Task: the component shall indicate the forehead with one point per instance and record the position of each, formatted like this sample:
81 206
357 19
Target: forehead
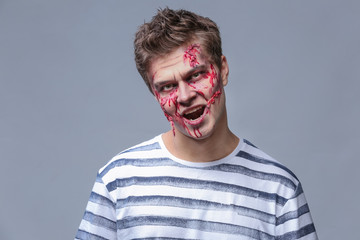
168 61
176 61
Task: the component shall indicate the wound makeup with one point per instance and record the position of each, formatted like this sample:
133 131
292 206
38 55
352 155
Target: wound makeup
200 78
190 54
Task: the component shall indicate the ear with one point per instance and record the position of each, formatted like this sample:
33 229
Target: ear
224 70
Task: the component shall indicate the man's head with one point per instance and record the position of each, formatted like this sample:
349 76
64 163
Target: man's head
179 56
170 29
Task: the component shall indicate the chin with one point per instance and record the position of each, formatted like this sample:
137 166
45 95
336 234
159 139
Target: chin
197 133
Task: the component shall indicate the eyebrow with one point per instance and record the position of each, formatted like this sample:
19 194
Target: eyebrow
162 83
184 76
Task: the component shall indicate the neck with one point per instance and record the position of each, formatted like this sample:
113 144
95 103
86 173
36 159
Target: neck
220 144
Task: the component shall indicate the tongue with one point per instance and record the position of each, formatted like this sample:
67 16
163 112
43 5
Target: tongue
194 115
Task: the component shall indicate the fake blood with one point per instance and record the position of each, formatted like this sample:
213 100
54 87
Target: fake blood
163 102
190 55
212 75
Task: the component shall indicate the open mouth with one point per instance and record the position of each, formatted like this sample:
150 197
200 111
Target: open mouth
195 113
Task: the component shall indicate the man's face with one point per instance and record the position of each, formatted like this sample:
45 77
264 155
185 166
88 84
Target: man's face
189 88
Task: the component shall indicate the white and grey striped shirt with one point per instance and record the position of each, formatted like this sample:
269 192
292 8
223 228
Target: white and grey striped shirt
146 193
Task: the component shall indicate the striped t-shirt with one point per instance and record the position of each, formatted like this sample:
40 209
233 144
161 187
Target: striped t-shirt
146 193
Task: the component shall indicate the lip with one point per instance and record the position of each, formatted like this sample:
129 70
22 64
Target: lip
199 119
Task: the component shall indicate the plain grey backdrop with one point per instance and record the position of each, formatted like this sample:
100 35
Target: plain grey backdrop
71 98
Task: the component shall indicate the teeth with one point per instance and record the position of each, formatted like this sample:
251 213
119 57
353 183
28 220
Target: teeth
194 110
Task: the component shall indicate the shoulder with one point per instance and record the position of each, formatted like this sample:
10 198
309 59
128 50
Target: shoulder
267 168
252 153
145 150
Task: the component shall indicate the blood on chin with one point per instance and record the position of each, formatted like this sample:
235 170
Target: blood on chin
191 126
189 123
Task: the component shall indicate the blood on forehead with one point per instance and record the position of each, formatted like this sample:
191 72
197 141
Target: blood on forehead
190 54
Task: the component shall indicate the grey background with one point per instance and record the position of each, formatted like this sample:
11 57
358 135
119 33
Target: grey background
71 98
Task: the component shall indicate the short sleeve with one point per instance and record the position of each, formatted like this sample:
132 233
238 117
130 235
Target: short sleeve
294 220
99 220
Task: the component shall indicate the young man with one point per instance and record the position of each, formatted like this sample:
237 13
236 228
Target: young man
198 180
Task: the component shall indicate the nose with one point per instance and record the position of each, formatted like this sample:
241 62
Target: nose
185 93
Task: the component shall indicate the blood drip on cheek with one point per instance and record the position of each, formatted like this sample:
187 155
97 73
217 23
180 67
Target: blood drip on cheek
170 119
168 100
215 95
196 132
212 75
218 92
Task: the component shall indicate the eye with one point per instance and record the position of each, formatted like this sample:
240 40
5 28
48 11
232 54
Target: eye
168 87
196 76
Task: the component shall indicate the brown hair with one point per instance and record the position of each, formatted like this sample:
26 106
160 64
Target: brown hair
170 29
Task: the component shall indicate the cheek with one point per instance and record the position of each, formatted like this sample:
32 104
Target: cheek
213 79
207 86
168 103
200 87
214 82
